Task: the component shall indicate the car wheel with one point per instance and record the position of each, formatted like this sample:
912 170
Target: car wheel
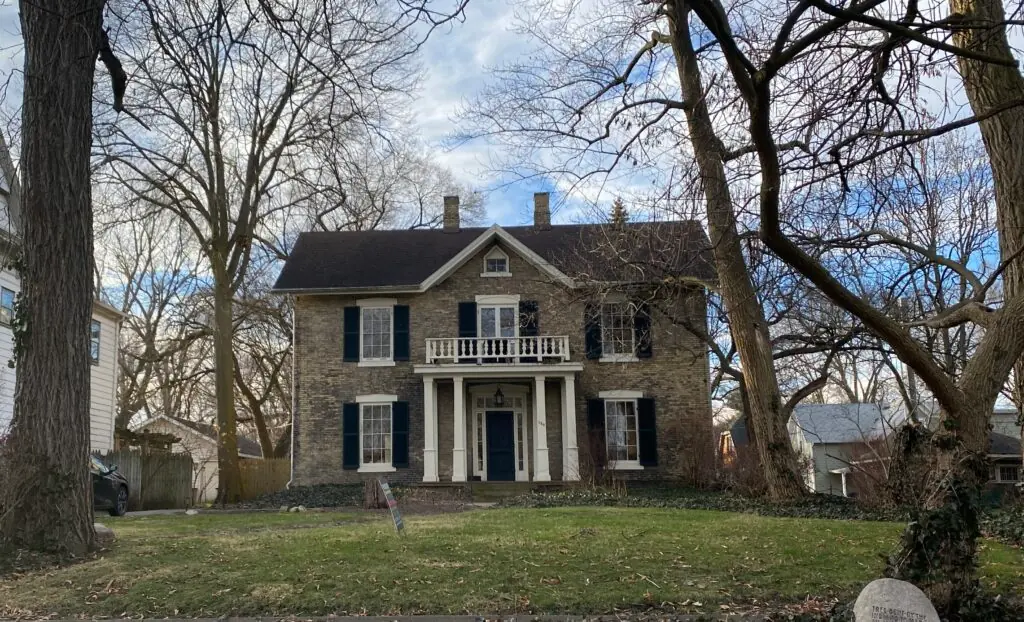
121 504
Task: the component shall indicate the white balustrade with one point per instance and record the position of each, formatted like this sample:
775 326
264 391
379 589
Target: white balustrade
497 349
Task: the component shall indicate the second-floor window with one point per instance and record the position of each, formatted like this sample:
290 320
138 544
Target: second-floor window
617 332
6 306
376 333
94 342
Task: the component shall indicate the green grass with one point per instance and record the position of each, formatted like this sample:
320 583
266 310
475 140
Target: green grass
581 560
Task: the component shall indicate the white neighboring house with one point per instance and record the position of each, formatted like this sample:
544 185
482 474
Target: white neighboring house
104 329
199 440
828 438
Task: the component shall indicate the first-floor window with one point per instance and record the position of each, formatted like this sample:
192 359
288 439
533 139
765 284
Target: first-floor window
6 305
620 430
375 434
94 342
1009 473
617 336
376 329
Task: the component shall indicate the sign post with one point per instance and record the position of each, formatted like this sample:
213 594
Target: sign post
392 505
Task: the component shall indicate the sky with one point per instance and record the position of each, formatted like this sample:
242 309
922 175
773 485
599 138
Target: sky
456 59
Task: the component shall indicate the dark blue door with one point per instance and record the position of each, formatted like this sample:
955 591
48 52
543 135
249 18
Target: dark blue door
501 447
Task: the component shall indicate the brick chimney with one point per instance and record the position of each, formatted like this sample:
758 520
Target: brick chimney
541 211
451 214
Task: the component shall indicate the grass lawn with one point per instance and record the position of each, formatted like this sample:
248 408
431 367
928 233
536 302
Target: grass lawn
582 560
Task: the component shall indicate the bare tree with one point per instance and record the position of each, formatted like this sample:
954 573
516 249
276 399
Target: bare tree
238 104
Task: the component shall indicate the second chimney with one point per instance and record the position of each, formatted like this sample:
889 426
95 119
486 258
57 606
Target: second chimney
451 214
541 211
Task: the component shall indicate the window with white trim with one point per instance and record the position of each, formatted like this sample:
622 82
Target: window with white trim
496 263
1009 473
375 434
620 425
617 334
6 306
377 329
94 342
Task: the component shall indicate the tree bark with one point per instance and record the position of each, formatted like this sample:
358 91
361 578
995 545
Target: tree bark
48 504
229 488
767 417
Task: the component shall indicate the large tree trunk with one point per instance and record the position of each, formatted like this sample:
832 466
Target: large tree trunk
48 500
229 488
767 417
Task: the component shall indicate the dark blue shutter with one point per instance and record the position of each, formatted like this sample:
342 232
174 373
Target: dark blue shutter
351 329
400 435
350 436
642 330
467 323
595 414
647 432
592 330
529 324
400 315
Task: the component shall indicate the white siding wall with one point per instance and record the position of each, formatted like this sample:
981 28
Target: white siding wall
103 377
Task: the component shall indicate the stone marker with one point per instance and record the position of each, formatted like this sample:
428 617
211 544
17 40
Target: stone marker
891 600
191 512
104 534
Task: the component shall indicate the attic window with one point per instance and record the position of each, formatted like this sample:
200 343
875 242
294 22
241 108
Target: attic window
496 263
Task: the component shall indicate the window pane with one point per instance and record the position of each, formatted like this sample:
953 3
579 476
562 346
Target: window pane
376 433
487 322
1009 473
620 430
94 341
6 305
377 333
617 328
508 322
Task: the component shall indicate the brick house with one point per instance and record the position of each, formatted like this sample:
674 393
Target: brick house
540 353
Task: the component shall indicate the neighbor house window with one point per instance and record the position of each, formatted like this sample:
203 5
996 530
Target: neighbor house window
617 334
376 333
6 306
94 342
375 434
620 430
496 263
1009 473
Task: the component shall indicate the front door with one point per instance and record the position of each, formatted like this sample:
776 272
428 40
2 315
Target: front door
501 445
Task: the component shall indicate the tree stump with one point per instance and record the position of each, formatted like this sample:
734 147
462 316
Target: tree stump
373 496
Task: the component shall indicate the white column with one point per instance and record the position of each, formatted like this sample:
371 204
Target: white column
429 431
570 448
541 469
459 450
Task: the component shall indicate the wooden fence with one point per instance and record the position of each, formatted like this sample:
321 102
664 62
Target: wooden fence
260 477
157 480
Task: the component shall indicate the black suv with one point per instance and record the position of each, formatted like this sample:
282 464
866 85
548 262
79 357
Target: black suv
109 488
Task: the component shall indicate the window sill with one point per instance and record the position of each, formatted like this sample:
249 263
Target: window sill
376 468
495 274
376 363
619 358
625 466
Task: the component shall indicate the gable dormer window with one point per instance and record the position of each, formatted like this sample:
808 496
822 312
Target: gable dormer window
496 263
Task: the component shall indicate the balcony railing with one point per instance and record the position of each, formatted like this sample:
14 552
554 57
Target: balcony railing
497 349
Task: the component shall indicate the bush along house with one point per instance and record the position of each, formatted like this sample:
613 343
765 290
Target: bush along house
541 353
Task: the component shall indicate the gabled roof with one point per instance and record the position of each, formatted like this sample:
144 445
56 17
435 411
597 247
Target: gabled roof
246 446
415 260
839 423
1003 445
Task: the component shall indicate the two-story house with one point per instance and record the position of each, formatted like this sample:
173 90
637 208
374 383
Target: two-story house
538 353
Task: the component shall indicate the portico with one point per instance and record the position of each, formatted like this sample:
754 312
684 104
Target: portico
496 422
